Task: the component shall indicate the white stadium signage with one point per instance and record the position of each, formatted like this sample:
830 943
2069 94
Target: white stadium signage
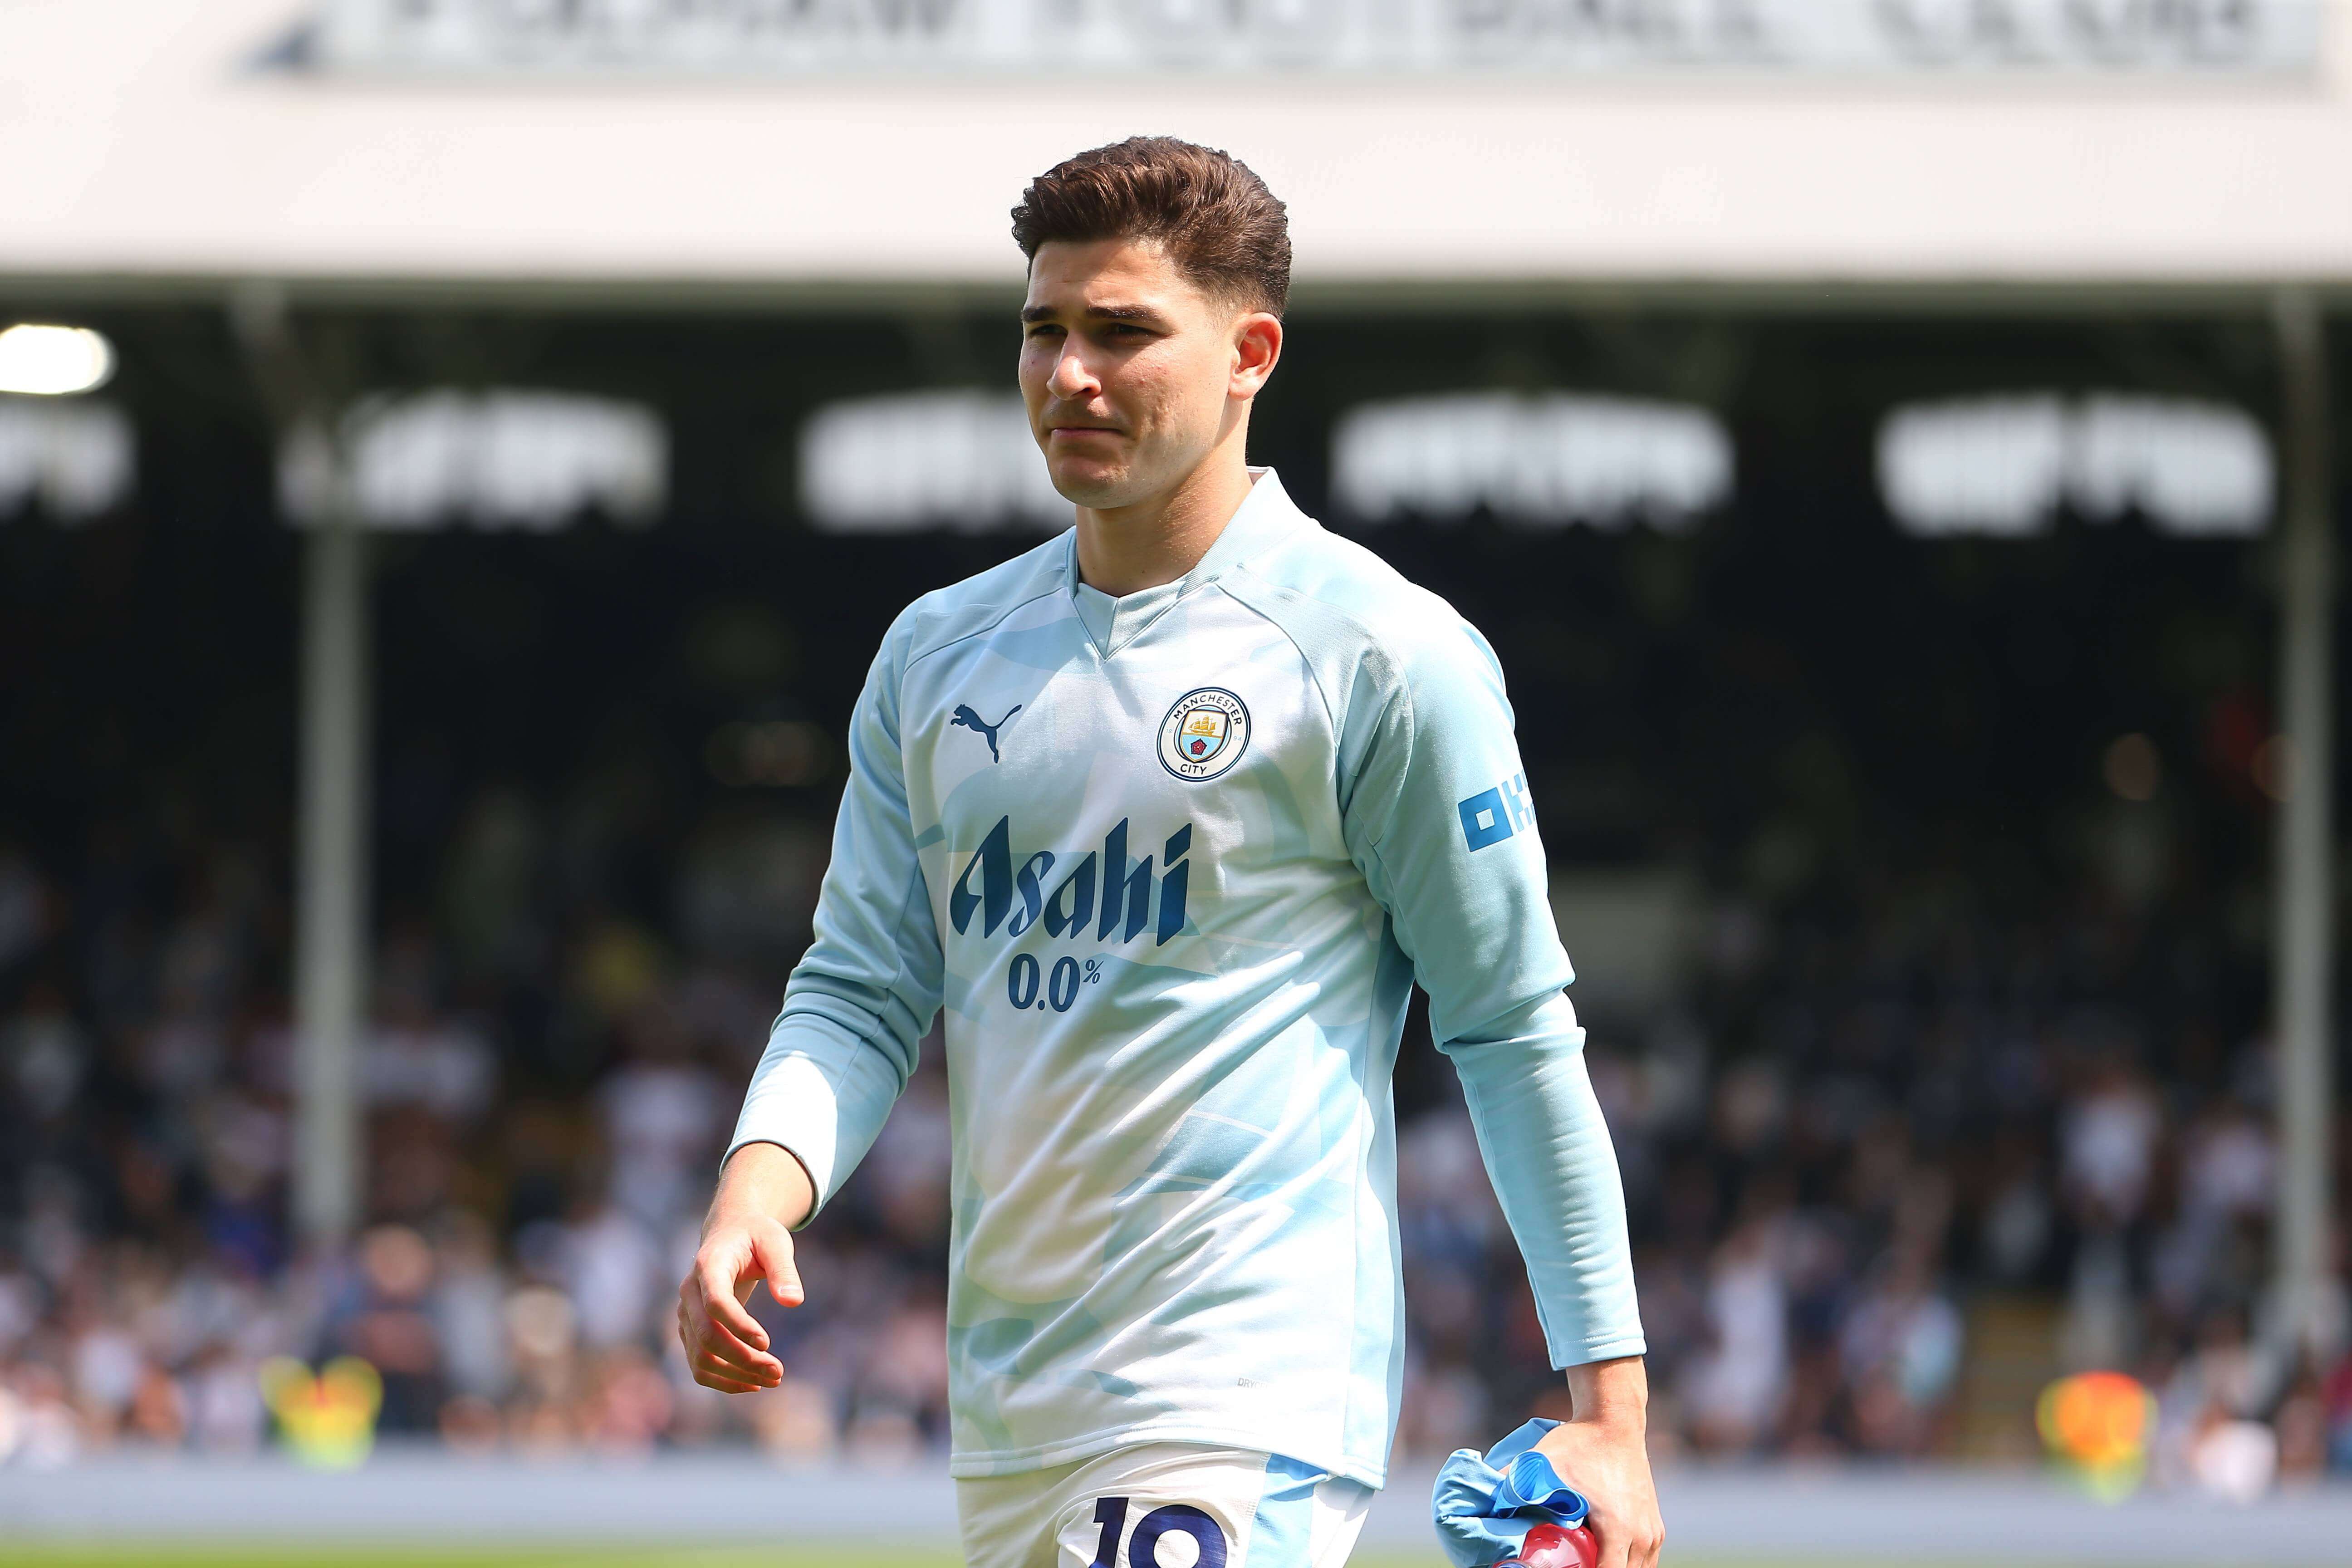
2141 37
75 460
2006 466
959 460
1534 460
499 460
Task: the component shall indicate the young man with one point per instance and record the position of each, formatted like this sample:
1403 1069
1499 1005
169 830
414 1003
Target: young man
1168 815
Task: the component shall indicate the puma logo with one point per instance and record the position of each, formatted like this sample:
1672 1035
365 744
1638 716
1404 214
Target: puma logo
987 731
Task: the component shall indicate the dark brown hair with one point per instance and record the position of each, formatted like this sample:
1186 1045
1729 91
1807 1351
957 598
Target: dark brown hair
1219 224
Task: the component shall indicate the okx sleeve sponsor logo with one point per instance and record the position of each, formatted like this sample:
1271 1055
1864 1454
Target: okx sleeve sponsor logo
1494 814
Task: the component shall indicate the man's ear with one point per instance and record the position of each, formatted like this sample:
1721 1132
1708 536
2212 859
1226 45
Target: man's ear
1257 348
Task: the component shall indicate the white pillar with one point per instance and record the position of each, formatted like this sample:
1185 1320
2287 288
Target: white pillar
332 726
2303 968
330 955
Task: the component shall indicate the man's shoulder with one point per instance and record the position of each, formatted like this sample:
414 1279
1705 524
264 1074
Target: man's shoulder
967 609
1334 592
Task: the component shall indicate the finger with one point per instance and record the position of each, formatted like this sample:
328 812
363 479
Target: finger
721 1306
697 1328
772 1250
724 1384
735 1353
738 1361
1616 1549
711 1366
768 1376
701 1335
710 1334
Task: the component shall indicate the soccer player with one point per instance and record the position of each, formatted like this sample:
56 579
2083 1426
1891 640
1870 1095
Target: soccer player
1168 816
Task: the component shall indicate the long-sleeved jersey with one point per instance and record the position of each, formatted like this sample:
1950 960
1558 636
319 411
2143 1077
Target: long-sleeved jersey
1170 864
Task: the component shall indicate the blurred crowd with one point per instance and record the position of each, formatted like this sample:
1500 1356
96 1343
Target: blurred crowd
546 1104
1881 1154
1892 1168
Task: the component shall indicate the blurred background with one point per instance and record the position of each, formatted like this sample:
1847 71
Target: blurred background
457 458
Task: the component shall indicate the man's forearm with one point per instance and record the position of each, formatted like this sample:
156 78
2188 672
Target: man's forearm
1548 1151
763 1179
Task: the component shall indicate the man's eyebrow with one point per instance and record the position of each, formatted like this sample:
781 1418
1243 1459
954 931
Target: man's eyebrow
1143 313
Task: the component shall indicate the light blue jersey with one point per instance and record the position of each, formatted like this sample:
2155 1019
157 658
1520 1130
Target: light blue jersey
1171 864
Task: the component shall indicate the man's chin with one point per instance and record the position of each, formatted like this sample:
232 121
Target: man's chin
1092 488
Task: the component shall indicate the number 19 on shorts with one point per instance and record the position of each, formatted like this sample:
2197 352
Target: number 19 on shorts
1143 1547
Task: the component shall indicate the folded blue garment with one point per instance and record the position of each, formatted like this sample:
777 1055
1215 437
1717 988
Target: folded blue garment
1484 1504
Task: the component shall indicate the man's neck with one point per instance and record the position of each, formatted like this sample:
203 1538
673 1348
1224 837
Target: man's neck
1125 550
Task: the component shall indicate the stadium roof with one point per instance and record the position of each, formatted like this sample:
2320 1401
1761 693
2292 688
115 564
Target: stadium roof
184 144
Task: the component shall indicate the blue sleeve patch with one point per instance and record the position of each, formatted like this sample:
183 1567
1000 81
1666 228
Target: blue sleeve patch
1483 820
1492 815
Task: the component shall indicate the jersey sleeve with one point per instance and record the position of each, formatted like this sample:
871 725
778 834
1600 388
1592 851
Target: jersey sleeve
862 997
1438 819
1549 1154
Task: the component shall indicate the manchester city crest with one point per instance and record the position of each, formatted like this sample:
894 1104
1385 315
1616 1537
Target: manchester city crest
1204 734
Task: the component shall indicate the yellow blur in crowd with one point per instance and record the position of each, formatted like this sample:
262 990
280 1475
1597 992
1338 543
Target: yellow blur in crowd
327 1420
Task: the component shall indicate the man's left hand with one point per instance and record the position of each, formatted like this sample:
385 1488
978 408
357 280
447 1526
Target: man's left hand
1602 1451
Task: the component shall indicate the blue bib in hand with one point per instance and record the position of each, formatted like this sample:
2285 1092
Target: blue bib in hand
1485 1504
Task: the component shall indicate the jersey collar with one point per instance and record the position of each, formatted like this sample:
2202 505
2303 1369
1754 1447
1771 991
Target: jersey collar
1266 518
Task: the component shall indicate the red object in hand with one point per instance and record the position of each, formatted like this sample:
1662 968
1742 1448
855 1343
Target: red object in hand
1556 1546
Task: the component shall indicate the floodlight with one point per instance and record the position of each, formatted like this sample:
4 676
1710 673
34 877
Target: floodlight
54 362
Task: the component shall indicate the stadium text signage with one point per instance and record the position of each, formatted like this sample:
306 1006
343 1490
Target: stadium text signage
2134 37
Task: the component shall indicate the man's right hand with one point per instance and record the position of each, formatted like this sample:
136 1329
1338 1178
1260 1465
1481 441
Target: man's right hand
746 1238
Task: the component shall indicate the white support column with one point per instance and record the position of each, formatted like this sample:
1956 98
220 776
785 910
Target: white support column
2303 966
331 841
330 955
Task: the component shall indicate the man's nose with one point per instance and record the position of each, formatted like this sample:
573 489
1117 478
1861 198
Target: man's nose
1071 379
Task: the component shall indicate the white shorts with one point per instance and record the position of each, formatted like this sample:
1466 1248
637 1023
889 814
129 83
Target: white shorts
1163 1505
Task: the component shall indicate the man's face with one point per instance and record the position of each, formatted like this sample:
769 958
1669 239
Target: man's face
1131 372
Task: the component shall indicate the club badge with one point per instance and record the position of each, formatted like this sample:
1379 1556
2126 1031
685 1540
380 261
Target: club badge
1204 734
